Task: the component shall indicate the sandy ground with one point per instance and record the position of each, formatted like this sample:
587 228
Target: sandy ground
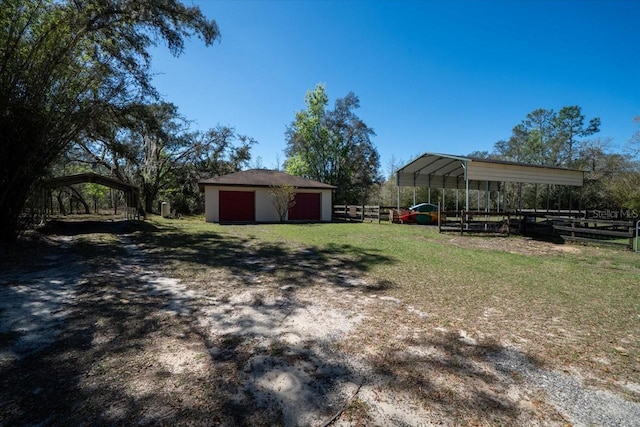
96 341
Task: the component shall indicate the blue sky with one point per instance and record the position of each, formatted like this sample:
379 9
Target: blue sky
439 76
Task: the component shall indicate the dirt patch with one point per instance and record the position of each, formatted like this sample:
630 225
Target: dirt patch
89 339
518 245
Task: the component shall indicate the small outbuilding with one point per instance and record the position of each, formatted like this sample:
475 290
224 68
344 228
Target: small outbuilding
244 197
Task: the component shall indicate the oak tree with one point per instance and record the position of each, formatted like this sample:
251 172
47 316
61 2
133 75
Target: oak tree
333 146
64 64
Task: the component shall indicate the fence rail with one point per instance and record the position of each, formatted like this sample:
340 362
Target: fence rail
361 213
570 225
487 222
601 231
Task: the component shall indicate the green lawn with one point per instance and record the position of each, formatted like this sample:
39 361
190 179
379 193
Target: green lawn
565 304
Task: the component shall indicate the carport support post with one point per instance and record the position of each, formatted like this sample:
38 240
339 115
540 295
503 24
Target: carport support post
548 196
486 206
570 201
559 191
466 186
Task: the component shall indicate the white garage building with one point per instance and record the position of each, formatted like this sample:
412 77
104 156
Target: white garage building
244 197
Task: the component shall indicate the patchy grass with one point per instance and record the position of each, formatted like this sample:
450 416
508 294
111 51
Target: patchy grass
567 305
372 321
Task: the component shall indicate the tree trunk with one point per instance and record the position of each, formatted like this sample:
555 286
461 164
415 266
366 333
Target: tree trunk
63 211
17 179
78 197
150 192
11 204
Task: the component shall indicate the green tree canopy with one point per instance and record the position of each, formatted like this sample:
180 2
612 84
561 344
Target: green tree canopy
548 138
333 146
551 138
64 65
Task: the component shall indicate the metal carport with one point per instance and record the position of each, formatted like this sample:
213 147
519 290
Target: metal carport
446 171
131 192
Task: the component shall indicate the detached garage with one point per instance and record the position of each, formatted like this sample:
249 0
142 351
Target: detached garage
244 197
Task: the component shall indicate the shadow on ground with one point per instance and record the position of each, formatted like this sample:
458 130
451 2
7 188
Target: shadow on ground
450 376
134 347
128 349
245 257
74 228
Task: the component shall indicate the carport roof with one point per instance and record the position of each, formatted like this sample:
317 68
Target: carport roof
89 177
263 178
447 171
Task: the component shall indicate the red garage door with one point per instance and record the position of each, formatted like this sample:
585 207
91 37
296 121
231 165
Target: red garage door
237 206
306 208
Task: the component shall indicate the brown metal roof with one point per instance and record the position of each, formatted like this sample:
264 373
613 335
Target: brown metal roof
263 178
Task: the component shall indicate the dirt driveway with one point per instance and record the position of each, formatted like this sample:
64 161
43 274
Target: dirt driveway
101 336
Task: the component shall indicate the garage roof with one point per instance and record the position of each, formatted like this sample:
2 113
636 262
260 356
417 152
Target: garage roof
263 178
446 171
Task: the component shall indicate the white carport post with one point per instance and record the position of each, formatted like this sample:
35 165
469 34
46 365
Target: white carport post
486 206
466 184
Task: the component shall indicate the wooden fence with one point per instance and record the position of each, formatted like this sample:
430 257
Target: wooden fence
361 213
602 231
572 226
487 222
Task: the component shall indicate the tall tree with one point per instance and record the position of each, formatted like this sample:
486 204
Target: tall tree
548 138
514 148
218 151
570 126
149 142
333 146
63 65
541 133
